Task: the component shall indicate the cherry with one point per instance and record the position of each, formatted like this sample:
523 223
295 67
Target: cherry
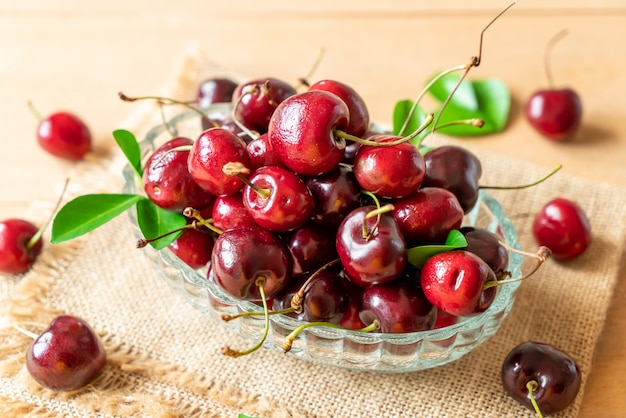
214 148
194 247
277 199
229 212
302 132
167 181
456 169
261 153
563 227
351 318
246 259
488 247
541 377
454 282
20 245
255 101
371 246
66 356
428 215
555 113
359 114
376 167
63 134
215 90
311 247
336 194
399 306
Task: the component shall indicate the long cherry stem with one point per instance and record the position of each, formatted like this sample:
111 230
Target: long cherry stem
532 386
344 135
288 343
524 186
541 256
298 297
35 238
546 60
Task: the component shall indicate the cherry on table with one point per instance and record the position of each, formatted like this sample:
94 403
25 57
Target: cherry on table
66 356
20 245
542 373
63 134
563 227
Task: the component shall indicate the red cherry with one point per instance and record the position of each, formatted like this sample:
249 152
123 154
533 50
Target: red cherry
67 355
555 113
563 227
359 114
229 212
194 247
17 252
215 90
64 135
302 132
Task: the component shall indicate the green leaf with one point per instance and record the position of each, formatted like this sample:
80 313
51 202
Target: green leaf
244 416
464 97
402 111
155 221
86 213
493 101
130 147
418 255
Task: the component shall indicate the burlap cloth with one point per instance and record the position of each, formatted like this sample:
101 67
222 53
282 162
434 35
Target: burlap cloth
164 358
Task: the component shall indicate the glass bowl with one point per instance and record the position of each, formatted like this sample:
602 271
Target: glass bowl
374 352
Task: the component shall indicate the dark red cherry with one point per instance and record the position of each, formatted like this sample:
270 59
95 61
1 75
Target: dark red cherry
67 356
563 227
336 194
311 247
215 90
64 135
246 257
399 306
17 252
194 247
302 132
359 114
488 247
428 215
391 171
213 149
351 317
555 113
166 179
255 101
552 374
456 169
261 153
229 212
453 281
372 249
277 199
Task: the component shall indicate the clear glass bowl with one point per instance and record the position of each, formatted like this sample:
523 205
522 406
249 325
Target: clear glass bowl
375 352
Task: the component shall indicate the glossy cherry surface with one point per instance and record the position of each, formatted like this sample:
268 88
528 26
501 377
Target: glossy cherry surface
229 212
336 194
66 356
311 247
215 90
359 114
194 247
563 227
488 247
555 113
64 135
555 373
16 254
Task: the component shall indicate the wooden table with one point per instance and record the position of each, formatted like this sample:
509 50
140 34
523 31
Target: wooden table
66 55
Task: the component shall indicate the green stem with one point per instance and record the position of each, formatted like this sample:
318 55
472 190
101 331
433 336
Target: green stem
288 343
532 386
524 186
228 317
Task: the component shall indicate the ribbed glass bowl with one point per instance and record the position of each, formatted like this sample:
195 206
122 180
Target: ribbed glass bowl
375 352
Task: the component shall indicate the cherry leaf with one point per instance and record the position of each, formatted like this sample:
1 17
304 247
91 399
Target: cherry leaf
464 97
87 212
417 256
402 112
155 221
130 147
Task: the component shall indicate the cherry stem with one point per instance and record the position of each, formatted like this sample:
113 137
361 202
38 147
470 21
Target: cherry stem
193 213
525 186
532 386
235 168
546 59
254 89
259 282
377 213
34 111
288 343
166 100
35 238
143 242
25 331
541 256
479 123
305 80
344 135
298 297
170 129
423 93
229 317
